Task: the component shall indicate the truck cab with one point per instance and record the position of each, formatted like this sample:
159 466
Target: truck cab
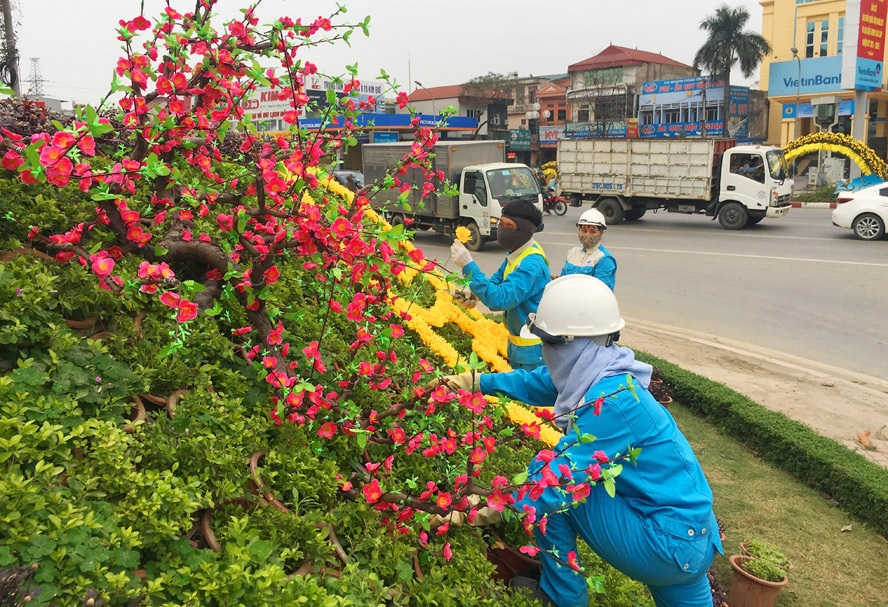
754 183
484 191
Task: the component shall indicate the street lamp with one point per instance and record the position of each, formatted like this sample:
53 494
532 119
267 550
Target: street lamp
434 113
795 128
532 116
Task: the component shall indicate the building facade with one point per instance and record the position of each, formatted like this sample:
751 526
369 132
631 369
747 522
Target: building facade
537 100
604 89
818 46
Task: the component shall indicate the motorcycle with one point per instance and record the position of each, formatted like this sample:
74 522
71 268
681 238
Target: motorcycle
554 203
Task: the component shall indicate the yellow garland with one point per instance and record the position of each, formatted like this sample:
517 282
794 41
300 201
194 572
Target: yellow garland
484 331
861 154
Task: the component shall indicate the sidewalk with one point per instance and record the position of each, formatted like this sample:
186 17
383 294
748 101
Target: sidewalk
836 403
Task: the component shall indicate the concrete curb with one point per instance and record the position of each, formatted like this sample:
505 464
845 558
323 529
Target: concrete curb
813 205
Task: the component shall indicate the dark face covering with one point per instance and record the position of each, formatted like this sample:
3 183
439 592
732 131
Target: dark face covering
512 239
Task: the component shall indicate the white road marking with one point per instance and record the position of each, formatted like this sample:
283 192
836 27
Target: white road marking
683 252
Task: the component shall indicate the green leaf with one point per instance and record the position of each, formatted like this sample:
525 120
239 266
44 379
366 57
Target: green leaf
216 309
519 479
587 438
261 549
610 486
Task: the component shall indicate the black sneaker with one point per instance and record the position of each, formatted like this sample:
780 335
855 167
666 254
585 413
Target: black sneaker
534 586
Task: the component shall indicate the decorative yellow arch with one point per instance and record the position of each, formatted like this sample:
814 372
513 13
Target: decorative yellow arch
868 161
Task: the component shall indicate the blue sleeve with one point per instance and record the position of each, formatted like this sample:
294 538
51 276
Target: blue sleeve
532 387
529 277
606 271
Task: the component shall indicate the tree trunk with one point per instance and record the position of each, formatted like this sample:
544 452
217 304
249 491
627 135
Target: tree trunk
726 104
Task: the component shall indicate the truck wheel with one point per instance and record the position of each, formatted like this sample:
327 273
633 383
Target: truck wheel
476 241
733 216
396 219
575 200
635 213
612 211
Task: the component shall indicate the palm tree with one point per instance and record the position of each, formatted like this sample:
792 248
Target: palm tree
728 46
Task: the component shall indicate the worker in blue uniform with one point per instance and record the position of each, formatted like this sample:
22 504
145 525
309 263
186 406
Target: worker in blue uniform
516 288
590 257
659 528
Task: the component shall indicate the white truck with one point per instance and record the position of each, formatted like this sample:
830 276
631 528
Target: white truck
486 183
624 178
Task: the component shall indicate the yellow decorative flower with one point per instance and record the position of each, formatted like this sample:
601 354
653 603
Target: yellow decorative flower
463 234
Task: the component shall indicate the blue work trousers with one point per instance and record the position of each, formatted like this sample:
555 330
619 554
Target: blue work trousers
673 563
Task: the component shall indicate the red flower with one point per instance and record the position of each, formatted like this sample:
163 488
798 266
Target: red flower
372 492
170 299
103 266
598 402
187 311
572 561
271 275
529 550
448 554
328 430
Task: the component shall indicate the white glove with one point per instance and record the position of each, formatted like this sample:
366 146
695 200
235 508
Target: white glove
486 516
464 381
460 254
456 519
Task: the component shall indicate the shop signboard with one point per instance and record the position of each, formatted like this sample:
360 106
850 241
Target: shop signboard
863 48
519 139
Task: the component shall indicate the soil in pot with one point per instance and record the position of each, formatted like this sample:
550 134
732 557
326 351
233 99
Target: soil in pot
660 393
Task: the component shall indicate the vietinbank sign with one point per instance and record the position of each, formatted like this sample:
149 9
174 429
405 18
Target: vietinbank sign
818 75
863 48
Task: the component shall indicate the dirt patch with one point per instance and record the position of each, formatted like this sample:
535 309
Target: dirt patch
834 402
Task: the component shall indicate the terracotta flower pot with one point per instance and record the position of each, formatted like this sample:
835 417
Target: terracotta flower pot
748 590
510 562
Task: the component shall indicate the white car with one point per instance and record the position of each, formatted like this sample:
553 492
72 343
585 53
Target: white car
864 212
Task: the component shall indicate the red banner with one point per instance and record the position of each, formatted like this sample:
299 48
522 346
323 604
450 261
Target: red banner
871 38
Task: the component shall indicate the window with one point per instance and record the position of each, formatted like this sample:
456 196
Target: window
532 94
840 40
671 113
817 37
610 75
473 113
562 115
809 39
583 114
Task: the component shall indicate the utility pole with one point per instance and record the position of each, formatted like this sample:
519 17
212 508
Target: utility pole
11 59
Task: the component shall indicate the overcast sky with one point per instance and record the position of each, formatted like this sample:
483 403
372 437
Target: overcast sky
435 42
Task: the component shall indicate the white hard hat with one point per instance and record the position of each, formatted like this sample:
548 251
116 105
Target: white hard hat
576 305
592 217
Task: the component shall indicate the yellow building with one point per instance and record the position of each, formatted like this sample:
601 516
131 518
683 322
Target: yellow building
819 46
